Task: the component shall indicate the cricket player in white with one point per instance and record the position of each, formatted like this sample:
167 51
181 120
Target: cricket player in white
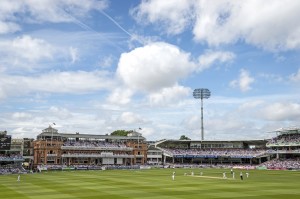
173 176
18 178
224 175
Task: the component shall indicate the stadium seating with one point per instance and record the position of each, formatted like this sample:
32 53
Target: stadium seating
234 153
282 164
285 139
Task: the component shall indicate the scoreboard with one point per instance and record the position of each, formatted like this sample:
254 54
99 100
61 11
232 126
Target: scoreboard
5 142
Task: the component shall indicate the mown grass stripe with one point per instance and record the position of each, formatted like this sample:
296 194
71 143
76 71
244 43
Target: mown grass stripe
156 184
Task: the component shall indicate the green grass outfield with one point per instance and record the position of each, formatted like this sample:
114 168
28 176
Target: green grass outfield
152 184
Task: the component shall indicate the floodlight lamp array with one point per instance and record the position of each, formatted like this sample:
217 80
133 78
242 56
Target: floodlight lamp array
201 93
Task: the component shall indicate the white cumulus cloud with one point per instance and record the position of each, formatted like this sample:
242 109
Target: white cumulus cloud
210 57
154 66
25 51
130 118
243 82
120 96
168 95
176 15
269 24
280 111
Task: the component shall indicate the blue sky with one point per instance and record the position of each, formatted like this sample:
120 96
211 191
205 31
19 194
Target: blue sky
94 66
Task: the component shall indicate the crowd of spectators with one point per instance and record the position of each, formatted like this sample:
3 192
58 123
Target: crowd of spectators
283 150
11 169
11 163
120 167
234 153
285 139
85 167
89 144
282 164
10 157
94 154
209 165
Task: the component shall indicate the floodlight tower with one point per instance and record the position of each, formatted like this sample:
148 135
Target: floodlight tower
201 93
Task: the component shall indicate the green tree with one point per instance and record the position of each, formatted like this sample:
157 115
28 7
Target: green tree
120 133
183 137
